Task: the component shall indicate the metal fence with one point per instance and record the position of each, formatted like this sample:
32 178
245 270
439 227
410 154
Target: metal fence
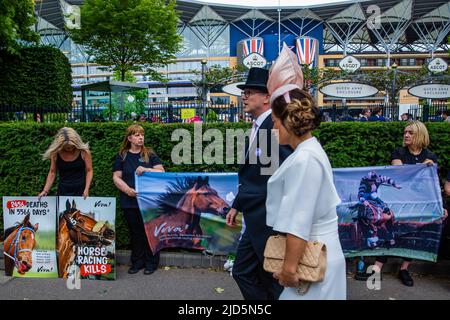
171 112
431 112
390 112
10 113
192 111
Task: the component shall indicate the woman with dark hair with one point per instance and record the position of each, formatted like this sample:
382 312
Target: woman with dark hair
135 157
302 198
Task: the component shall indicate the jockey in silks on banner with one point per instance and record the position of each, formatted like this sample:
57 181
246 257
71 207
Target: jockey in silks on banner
368 194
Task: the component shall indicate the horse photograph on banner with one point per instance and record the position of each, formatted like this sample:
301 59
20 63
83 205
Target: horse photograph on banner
394 210
30 234
86 237
18 246
187 210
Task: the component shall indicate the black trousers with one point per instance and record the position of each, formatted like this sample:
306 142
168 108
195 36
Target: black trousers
141 254
248 272
384 259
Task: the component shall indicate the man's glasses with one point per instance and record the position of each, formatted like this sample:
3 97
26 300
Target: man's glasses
248 93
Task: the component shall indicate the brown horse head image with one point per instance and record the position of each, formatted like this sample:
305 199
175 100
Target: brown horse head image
76 228
180 210
202 198
19 244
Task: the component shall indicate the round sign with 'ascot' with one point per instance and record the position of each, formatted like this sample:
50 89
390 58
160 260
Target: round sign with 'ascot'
437 65
349 64
255 60
348 90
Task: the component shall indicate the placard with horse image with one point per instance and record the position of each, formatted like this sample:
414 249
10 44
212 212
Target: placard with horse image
188 210
30 237
392 211
86 237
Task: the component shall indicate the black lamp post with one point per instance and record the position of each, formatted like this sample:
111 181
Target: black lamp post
393 95
204 89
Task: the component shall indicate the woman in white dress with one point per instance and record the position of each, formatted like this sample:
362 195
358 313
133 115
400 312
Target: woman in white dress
301 196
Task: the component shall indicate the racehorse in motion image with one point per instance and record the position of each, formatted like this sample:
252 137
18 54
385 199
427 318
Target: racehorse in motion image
373 214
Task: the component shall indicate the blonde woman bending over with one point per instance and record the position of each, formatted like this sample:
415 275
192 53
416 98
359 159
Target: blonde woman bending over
71 158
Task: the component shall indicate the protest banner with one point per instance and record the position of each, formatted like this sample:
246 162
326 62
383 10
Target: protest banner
30 237
188 210
86 237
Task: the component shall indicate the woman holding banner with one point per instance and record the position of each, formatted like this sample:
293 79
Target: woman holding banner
135 157
71 159
301 196
414 150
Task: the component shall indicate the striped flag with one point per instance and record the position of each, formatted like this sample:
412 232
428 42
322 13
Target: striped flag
252 45
307 51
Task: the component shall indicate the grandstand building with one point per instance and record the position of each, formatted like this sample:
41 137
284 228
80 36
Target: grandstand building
380 33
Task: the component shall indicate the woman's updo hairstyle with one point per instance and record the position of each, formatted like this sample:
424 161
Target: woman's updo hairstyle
299 116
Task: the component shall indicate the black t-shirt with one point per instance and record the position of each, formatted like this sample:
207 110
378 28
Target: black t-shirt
128 168
72 176
407 157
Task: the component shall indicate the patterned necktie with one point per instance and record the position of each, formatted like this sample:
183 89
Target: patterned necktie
253 133
252 137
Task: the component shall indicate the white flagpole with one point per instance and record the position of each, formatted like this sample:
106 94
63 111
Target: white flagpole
279 26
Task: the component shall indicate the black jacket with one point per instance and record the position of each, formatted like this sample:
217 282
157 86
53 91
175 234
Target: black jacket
252 193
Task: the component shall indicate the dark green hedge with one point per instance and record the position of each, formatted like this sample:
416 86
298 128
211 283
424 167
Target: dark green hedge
36 78
22 171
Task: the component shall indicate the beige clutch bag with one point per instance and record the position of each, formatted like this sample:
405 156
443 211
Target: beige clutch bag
312 265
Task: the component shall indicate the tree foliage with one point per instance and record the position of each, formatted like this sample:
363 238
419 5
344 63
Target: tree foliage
314 76
16 20
217 76
129 35
36 77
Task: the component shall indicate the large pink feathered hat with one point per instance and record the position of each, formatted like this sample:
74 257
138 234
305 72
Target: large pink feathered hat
284 75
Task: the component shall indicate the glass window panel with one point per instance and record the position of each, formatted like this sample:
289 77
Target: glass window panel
193 46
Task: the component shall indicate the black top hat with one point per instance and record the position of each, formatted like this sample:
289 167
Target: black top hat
256 79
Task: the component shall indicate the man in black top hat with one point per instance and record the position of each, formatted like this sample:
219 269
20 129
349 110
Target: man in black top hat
253 281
